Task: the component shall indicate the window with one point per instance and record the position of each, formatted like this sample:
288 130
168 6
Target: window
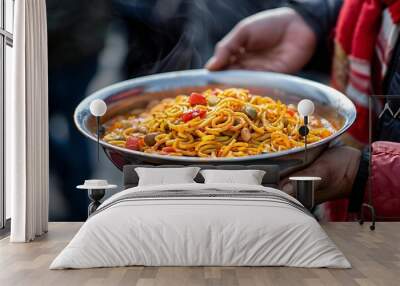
6 43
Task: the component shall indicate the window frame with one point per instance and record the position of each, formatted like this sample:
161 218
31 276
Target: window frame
6 39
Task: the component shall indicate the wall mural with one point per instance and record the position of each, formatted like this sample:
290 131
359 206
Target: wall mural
105 113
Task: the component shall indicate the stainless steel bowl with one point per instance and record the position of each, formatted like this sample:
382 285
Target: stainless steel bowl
136 93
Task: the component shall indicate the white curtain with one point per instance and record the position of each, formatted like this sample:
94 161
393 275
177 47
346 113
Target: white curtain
27 123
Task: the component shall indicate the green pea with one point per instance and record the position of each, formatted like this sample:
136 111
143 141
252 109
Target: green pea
250 111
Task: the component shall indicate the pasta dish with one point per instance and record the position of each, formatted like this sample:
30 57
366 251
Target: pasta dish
215 123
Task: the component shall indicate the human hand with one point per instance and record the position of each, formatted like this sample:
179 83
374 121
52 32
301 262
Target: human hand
337 167
275 40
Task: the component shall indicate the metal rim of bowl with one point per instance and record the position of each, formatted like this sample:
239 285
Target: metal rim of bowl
121 86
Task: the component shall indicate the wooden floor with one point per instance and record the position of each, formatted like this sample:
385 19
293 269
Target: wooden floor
375 257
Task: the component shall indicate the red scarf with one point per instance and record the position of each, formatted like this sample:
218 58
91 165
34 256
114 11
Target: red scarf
366 33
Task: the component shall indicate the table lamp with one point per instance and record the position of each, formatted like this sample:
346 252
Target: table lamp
304 186
305 108
98 108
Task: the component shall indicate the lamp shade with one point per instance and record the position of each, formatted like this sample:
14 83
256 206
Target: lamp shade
98 107
305 107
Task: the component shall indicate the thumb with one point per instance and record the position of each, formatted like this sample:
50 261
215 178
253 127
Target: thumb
229 47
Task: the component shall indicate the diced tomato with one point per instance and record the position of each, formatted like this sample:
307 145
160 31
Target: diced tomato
168 149
291 112
187 116
202 113
134 143
197 99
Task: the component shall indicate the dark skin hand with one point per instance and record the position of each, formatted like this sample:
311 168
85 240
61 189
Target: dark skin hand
279 40
337 167
275 40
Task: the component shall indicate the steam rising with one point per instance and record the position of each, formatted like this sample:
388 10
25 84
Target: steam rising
202 23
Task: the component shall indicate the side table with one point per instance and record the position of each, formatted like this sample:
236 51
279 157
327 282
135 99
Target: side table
304 190
96 191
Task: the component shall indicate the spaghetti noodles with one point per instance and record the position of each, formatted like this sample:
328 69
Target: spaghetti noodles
215 123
